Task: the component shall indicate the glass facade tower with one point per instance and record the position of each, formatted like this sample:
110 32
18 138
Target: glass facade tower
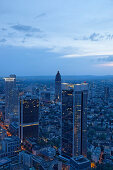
74 120
11 99
28 117
58 87
67 122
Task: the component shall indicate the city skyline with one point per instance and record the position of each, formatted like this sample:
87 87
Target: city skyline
56 84
74 132
50 36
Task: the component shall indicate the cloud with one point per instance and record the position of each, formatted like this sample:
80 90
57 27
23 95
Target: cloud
95 37
4 29
28 35
71 56
106 64
11 34
25 28
3 40
41 15
36 36
103 56
98 37
106 59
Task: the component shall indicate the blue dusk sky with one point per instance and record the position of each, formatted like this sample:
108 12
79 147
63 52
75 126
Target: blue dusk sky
39 37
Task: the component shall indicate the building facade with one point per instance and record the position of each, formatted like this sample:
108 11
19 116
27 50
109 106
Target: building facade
58 87
74 120
67 123
80 163
10 146
28 117
11 99
106 94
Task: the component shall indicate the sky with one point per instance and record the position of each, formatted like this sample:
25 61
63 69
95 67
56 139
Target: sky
40 37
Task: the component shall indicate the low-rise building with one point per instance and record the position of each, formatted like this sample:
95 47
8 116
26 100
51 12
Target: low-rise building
10 146
80 163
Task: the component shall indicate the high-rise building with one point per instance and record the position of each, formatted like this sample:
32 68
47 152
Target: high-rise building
106 93
67 123
80 119
13 76
11 99
80 163
28 117
58 87
74 120
45 96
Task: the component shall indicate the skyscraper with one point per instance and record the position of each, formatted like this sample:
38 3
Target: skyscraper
74 120
106 94
67 123
11 99
58 87
80 119
28 117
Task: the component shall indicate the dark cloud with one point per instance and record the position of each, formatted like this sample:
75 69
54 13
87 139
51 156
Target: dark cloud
77 38
41 15
3 40
109 36
36 35
28 35
99 37
96 37
25 28
23 41
105 59
4 29
11 34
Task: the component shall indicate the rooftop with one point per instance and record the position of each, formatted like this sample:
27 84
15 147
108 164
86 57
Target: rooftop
4 161
9 79
80 159
11 139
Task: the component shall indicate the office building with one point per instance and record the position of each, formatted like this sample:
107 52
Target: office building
3 133
74 120
10 146
28 117
80 119
2 110
5 163
58 87
11 100
14 128
45 96
67 123
106 93
80 163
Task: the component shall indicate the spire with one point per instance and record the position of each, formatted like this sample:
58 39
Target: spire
58 87
58 76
